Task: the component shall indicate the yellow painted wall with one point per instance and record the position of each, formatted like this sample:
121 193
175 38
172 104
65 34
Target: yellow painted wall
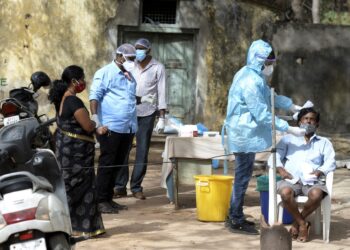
49 35
232 27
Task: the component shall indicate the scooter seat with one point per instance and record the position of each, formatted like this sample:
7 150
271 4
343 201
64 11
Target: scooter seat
15 184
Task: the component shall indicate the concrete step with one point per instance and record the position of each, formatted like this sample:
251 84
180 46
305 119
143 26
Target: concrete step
158 137
158 140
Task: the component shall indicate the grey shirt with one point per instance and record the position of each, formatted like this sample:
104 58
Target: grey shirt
150 80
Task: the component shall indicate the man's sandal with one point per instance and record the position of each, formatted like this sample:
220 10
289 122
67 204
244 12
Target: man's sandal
294 231
304 232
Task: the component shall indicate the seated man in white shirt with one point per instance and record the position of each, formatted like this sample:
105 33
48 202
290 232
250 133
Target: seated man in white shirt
301 161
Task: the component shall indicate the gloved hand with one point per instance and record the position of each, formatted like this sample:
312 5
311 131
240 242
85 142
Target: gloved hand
94 117
149 98
160 126
295 108
296 131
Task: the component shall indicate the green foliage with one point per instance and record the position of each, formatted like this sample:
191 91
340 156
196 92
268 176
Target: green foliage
335 12
333 17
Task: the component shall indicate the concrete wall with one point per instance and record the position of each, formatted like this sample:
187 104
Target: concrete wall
313 64
50 35
232 26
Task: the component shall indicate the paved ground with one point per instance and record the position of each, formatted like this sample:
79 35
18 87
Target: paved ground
154 224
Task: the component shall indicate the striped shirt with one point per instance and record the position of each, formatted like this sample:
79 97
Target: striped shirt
150 80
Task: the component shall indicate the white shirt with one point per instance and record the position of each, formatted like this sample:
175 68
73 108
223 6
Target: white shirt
150 80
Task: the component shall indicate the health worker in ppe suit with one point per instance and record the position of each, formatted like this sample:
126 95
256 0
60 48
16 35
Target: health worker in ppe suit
248 125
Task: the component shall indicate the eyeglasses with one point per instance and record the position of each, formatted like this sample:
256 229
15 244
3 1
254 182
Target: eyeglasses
269 62
130 58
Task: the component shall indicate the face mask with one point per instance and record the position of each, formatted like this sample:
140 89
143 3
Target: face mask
128 65
79 86
268 70
310 128
140 55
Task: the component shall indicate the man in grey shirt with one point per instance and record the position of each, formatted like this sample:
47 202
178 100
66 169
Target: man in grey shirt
150 78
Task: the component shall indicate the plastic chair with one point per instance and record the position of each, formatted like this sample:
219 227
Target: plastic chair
325 207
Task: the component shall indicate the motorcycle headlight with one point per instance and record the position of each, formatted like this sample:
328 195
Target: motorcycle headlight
42 211
2 221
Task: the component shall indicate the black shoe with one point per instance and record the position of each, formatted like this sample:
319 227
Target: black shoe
118 206
228 222
106 208
243 228
251 223
120 193
139 195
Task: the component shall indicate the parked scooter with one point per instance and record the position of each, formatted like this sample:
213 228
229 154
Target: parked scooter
22 104
27 95
34 211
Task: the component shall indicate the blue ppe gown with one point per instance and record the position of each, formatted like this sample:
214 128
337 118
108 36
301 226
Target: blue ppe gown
248 120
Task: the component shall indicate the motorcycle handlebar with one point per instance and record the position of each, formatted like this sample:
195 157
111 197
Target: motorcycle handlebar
46 124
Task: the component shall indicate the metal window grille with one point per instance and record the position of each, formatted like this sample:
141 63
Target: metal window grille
159 11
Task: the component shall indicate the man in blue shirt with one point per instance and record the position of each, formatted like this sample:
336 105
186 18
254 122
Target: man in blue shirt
113 104
301 161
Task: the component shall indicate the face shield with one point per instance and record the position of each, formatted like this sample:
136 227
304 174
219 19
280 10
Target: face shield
268 66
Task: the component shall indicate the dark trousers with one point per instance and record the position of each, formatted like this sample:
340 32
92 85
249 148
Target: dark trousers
244 165
143 139
114 148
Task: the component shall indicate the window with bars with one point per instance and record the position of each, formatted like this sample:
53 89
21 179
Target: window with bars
159 11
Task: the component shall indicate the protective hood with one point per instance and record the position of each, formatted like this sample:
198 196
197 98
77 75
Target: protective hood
257 54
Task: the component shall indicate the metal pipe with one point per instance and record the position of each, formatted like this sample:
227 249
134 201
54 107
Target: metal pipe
272 170
174 163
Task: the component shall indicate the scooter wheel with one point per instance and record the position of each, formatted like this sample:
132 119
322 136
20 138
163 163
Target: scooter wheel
58 241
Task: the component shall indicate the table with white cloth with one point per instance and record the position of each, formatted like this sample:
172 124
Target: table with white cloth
206 148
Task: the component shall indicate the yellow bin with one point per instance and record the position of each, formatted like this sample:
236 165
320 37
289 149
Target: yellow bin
213 195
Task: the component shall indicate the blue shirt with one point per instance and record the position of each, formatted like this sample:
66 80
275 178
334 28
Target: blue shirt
294 154
116 99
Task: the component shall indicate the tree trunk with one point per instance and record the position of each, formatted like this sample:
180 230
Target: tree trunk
316 11
297 9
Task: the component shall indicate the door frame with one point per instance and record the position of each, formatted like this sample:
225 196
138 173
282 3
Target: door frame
159 29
